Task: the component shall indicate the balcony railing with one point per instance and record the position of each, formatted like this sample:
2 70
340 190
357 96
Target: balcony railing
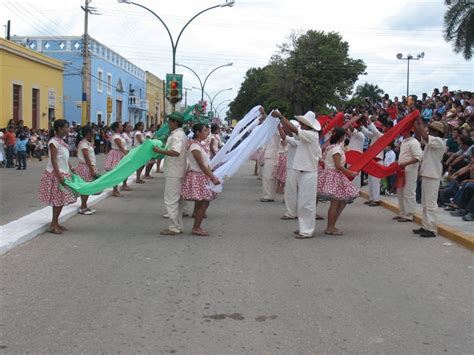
135 103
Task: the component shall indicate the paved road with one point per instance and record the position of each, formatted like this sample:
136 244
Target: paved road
19 188
112 284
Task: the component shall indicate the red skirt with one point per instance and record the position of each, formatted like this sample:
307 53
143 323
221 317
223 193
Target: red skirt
113 158
334 185
52 193
84 172
195 187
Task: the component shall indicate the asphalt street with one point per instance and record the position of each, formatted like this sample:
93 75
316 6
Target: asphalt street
113 284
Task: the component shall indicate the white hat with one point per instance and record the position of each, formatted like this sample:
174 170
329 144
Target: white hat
309 119
295 123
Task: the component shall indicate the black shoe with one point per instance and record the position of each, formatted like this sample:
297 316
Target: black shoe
459 213
427 234
18 168
468 217
419 230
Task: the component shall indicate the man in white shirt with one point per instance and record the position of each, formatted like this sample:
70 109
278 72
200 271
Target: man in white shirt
175 168
372 132
410 157
270 163
305 163
356 141
430 171
291 184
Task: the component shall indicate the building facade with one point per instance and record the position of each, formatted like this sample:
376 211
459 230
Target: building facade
31 86
154 95
118 87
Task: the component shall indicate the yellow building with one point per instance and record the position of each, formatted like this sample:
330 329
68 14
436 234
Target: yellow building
31 86
158 106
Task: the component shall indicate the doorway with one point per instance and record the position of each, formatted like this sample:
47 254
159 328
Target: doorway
17 101
35 109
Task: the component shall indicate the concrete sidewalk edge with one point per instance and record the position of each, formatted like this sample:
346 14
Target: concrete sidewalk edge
36 223
451 233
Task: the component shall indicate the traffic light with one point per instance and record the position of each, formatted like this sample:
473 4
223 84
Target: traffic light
175 91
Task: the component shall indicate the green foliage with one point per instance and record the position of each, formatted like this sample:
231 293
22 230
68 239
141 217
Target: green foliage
459 26
312 71
370 91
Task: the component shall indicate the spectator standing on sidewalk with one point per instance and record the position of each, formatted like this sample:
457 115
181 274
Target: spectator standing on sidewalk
10 142
431 171
21 144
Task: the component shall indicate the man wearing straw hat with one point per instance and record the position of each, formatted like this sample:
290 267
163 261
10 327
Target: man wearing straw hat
430 171
305 162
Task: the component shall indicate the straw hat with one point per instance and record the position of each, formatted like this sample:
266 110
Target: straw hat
309 119
437 126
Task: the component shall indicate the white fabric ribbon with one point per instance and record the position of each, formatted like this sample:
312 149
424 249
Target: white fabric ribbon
258 137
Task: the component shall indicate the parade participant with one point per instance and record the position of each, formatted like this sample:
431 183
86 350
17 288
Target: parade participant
409 159
50 190
373 132
150 134
430 171
10 142
270 163
86 168
117 152
334 184
280 173
174 166
138 141
126 134
356 141
215 139
305 163
291 183
198 178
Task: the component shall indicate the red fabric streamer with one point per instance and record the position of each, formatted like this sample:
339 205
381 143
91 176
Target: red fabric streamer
373 167
366 160
323 120
337 121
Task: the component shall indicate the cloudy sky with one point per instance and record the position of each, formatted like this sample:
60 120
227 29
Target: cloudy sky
248 34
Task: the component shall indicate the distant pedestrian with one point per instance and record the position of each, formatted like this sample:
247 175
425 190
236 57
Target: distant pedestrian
21 147
10 142
86 168
51 189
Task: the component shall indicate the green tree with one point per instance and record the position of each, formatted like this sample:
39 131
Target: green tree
459 26
370 91
312 71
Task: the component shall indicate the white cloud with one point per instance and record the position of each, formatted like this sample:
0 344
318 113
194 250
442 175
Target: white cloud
248 34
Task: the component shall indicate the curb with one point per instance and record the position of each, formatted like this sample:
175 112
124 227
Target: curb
453 234
32 225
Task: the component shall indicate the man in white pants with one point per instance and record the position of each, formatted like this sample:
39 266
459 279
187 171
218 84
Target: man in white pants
305 163
291 183
175 168
430 171
372 132
409 159
270 163
356 141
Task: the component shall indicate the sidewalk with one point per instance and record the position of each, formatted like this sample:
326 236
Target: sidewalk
450 227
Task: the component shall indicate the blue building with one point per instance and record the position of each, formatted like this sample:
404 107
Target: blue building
118 87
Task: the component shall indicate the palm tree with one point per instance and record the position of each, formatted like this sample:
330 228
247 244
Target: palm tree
459 26
370 91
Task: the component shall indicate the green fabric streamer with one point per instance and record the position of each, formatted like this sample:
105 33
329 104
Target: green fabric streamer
135 159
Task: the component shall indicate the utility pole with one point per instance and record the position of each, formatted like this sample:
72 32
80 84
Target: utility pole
86 68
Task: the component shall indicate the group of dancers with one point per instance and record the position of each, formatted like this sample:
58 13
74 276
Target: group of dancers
307 169
186 168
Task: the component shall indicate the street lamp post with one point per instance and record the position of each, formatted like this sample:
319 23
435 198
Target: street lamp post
174 45
203 83
408 58
216 110
211 100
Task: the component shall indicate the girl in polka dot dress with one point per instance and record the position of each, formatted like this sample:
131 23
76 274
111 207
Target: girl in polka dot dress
52 190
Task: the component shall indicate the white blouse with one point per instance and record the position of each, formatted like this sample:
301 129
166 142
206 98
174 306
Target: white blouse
193 165
114 144
128 141
329 161
136 141
90 149
62 156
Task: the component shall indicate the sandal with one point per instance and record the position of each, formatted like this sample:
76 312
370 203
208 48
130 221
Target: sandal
287 218
85 211
299 236
53 230
148 177
402 219
335 232
126 188
396 218
116 194
63 228
200 233
140 181
319 218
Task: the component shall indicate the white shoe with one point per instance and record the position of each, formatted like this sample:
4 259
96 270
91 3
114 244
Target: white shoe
166 215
